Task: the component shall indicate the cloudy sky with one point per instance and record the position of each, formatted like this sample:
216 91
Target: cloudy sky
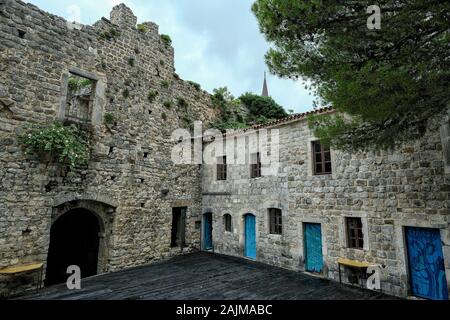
217 42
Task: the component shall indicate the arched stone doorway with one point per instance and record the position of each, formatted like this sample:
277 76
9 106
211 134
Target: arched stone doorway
74 240
80 235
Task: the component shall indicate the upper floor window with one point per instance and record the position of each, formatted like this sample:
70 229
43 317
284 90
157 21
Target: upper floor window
355 236
227 222
275 221
222 168
80 98
255 167
321 158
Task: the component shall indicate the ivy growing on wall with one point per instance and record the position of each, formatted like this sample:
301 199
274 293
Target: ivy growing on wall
56 143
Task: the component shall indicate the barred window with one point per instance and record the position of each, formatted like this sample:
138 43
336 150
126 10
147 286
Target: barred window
275 221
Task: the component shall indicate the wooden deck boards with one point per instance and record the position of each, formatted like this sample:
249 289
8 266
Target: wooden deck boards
204 276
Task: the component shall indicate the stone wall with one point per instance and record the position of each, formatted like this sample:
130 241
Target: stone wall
130 175
389 190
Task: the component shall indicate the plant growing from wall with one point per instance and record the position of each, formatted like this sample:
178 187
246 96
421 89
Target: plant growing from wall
56 143
152 96
131 62
195 85
166 40
142 27
76 83
109 119
126 93
109 35
165 84
182 103
168 104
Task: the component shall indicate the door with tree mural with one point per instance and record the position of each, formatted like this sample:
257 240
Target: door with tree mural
426 263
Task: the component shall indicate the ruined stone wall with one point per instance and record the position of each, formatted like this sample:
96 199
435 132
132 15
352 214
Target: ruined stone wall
389 190
130 173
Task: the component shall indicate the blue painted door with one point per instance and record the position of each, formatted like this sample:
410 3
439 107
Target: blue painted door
207 232
426 263
250 236
313 247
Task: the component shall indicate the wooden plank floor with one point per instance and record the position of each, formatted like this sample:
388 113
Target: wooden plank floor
204 276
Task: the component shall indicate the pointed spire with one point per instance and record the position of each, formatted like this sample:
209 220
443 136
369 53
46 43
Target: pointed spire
265 91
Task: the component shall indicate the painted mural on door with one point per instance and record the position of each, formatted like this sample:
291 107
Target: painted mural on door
426 263
207 232
313 247
250 236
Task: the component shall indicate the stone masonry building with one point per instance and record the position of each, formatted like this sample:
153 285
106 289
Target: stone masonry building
132 205
130 185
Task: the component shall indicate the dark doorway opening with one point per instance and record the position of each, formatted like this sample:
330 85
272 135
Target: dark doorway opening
178 227
74 240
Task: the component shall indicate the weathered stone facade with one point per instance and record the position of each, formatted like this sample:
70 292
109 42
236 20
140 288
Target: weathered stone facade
389 190
130 183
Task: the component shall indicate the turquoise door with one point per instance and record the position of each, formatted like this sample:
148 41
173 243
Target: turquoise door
426 263
250 236
313 247
207 232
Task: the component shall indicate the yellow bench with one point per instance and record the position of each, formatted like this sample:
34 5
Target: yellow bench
17 269
352 264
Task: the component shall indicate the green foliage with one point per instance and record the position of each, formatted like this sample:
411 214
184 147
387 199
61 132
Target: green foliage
142 27
125 93
165 84
131 61
240 113
195 85
182 103
76 83
264 107
229 125
109 118
388 81
64 145
109 35
168 104
166 40
152 96
161 62
164 116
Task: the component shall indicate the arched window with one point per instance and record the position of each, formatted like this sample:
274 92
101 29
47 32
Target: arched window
227 222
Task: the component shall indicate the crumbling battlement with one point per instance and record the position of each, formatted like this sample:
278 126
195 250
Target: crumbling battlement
130 183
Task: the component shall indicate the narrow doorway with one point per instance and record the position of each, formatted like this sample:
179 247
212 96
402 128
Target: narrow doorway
178 238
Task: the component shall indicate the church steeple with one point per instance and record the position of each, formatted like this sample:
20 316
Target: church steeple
265 91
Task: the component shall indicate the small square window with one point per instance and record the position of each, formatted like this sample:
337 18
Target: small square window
80 99
21 34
